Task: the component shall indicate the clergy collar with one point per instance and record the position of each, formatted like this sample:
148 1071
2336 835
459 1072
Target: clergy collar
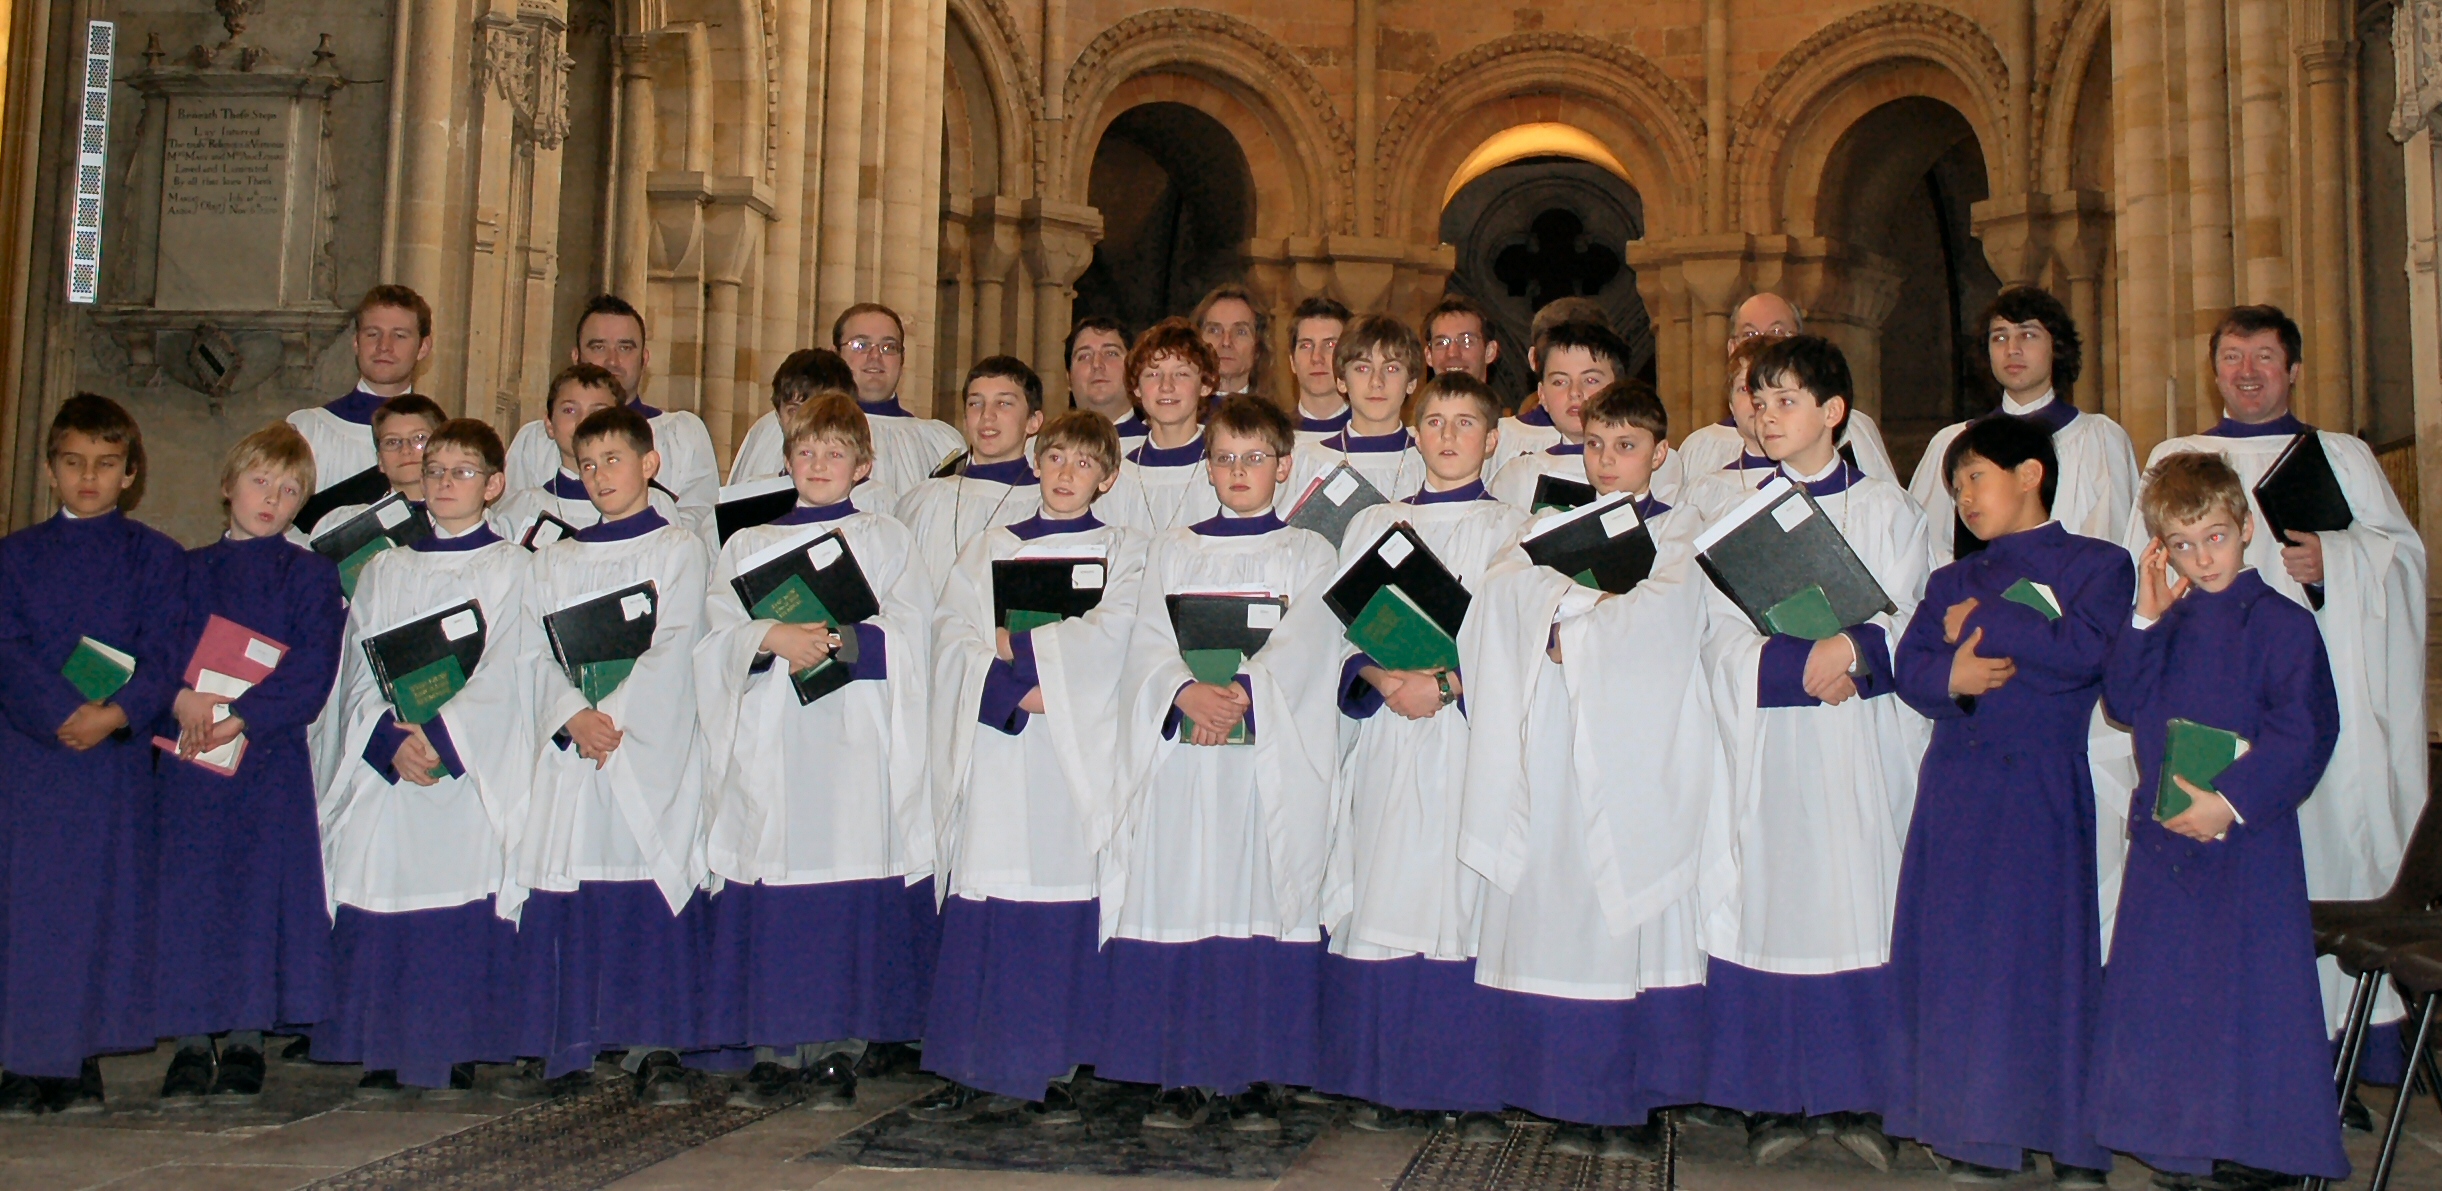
1012 472
1565 448
1471 490
1348 441
888 407
624 528
1183 455
2009 545
2048 411
1537 416
1332 424
648 411
565 486
2286 424
2248 582
439 540
1747 462
1040 526
66 515
1229 525
357 406
1837 478
1647 507
810 514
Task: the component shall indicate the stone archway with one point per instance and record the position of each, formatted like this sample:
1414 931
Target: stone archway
1542 228
1178 203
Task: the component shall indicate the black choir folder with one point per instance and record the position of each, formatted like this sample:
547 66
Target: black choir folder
1786 565
1400 604
421 663
1028 593
1560 492
1604 545
363 488
1217 632
597 639
389 521
2301 493
1333 500
808 583
755 502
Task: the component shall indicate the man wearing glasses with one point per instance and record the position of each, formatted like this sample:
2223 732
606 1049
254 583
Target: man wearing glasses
1457 339
906 447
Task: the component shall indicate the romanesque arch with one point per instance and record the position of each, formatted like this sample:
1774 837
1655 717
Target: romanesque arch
1256 87
1646 119
1010 95
2076 45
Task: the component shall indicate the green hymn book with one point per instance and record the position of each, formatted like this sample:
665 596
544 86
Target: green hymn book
2198 753
1398 635
1806 614
97 671
1218 667
2034 595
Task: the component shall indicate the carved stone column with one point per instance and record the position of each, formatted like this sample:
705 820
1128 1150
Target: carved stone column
734 221
1060 239
631 241
2416 44
995 240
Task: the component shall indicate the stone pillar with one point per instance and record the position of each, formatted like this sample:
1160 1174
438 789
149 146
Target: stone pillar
2081 246
2205 51
1846 292
954 325
1059 240
842 162
784 240
2261 241
995 239
2416 41
436 39
2325 315
2142 224
631 240
734 220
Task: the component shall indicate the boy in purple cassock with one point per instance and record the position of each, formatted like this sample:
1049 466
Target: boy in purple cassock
76 785
2210 1061
1996 959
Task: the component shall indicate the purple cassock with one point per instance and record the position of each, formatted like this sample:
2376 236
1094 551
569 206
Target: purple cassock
245 939
2209 1041
1996 953
820 962
77 830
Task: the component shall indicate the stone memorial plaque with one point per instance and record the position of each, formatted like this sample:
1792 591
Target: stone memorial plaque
225 201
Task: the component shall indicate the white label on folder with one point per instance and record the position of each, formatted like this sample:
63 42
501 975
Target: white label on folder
544 533
213 682
458 624
636 605
824 553
391 514
1263 616
261 653
1792 513
1395 549
1341 488
1620 520
1085 576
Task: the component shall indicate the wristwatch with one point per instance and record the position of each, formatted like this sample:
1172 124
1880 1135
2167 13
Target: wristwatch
1857 669
1448 696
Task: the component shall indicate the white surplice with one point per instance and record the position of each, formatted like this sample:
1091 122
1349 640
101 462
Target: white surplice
947 513
1156 497
689 469
514 514
2093 494
1515 486
341 448
1397 475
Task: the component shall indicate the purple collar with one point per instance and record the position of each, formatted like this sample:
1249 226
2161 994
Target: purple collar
2046 536
1352 443
1133 426
565 486
1224 526
1565 448
1039 526
1013 472
1747 462
1844 476
1183 455
626 527
648 411
809 514
1727 423
2286 424
888 407
1334 424
357 407
2054 415
1471 490
1537 416
473 539
1648 508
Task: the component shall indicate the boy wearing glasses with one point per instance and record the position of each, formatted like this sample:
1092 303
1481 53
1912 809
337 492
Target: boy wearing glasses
906 447
400 429
417 823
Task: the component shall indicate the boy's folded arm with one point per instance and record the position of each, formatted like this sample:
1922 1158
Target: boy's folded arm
35 698
1923 670
2072 646
1358 699
1872 641
1780 672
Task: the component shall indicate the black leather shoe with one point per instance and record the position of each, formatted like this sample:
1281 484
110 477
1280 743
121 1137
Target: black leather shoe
2355 1116
240 1075
1057 1107
885 1059
2233 1176
765 1085
662 1082
1482 1129
954 1102
1254 1111
1179 1108
1860 1133
1382 1118
1575 1140
300 1049
380 1085
1631 1143
831 1084
461 1084
1772 1136
20 1095
77 1096
190 1078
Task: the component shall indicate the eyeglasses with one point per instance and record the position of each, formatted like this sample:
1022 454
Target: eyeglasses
463 473
1464 342
1251 460
394 444
863 346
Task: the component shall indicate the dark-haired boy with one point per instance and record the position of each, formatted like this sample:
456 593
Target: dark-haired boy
991 484
1379 364
2210 1060
1576 361
399 429
418 819
611 336
1210 886
2036 355
392 336
1593 760
1314 344
1530 429
2366 586
825 931
613 848
1991 1040
806 371
77 798
579 391
1823 771
1023 725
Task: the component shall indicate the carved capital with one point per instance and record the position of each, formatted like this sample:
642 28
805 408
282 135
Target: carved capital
2416 52
1060 240
521 58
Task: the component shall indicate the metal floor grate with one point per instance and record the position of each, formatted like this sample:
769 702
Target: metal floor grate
1521 1163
